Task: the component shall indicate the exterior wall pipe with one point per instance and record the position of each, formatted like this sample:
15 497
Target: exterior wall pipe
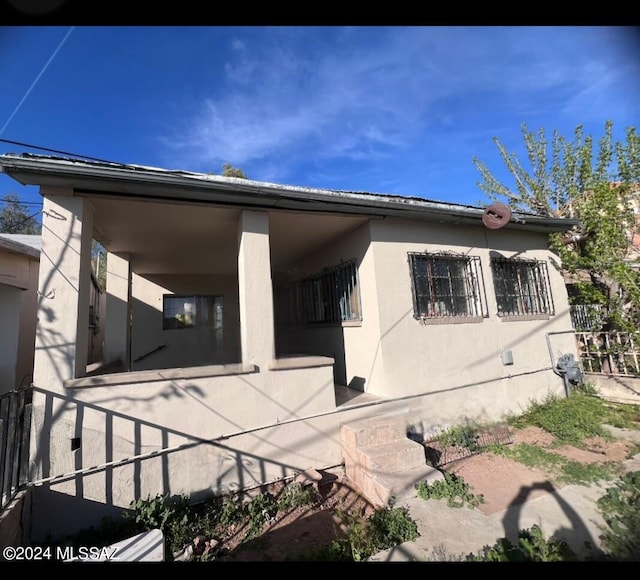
553 362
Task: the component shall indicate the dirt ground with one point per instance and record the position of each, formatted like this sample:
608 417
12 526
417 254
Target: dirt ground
497 478
500 480
302 530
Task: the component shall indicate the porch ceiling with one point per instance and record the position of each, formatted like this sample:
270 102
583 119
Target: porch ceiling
194 238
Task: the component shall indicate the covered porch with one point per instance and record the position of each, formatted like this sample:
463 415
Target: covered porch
194 290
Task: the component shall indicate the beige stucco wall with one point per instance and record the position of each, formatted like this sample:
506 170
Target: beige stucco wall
463 362
268 425
391 354
15 269
116 320
188 346
355 346
80 429
18 312
10 299
243 428
61 346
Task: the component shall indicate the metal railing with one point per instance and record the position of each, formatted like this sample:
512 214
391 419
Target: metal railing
15 423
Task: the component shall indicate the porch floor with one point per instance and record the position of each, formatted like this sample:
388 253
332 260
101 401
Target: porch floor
346 396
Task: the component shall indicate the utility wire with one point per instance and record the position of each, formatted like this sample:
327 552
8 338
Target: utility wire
58 151
33 84
25 220
19 202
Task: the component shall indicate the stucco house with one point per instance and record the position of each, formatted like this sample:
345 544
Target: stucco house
247 323
19 269
19 260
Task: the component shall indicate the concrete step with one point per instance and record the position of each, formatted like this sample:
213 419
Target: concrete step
382 487
393 456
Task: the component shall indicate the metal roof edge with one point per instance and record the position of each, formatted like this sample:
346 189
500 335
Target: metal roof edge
32 164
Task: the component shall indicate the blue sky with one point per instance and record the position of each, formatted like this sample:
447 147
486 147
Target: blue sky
399 110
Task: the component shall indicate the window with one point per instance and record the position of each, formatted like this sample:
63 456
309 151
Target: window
94 308
447 285
522 288
330 296
191 311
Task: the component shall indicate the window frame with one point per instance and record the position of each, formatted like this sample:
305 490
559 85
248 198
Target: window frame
469 291
531 298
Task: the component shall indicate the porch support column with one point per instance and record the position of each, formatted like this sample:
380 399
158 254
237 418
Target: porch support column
117 328
62 335
257 335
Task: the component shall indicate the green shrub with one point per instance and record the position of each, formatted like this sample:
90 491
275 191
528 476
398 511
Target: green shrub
532 547
452 488
172 515
620 508
460 436
384 529
155 512
295 495
622 416
259 511
570 419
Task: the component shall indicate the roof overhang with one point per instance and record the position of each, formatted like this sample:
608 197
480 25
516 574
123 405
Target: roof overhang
140 182
15 246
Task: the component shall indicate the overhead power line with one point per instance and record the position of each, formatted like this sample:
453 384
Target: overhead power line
20 202
58 151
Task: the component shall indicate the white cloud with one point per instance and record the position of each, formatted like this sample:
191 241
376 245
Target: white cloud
363 93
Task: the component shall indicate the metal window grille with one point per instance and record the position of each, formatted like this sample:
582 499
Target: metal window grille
522 287
330 296
447 285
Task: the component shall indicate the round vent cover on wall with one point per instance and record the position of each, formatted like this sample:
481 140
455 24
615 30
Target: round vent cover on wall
496 215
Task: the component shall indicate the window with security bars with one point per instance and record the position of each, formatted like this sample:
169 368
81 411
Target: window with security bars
522 287
333 295
447 286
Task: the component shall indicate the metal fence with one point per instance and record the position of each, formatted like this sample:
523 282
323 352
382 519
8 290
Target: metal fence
15 424
587 317
612 353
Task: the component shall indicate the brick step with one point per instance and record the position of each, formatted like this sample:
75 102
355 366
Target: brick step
374 431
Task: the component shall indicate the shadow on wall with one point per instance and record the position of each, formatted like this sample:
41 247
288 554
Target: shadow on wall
122 469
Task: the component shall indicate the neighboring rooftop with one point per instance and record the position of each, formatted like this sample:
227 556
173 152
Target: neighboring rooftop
22 244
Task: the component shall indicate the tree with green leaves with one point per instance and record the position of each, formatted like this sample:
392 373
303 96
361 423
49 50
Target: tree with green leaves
99 263
229 170
15 217
598 187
